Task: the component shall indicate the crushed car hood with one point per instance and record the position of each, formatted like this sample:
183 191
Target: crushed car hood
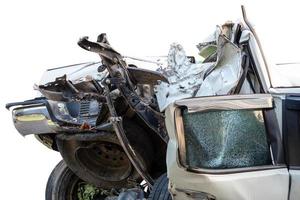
73 72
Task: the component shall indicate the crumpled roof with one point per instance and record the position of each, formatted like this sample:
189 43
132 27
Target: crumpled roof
208 78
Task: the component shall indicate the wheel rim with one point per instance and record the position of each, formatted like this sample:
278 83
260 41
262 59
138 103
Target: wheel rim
105 160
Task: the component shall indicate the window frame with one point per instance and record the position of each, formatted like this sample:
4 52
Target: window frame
214 103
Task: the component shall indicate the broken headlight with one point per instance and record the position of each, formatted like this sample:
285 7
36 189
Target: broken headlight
76 112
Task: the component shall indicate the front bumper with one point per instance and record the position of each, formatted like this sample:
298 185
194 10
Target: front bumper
33 117
42 116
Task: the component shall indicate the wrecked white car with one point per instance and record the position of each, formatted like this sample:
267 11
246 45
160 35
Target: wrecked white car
232 135
214 129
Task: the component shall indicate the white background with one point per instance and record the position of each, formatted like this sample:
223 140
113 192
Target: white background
36 35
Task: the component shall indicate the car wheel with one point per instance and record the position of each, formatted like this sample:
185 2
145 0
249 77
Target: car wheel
160 189
63 184
100 159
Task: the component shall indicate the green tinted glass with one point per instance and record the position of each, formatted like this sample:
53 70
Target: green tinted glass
225 139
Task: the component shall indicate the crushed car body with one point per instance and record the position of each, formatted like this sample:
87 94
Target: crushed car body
232 139
188 129
207 78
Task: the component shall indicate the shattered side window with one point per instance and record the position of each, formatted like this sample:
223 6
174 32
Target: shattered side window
225 139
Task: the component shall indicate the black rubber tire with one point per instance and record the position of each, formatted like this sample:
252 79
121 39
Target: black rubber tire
62 181
160 189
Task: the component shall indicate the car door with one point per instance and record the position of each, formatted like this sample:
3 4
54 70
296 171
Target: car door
226 147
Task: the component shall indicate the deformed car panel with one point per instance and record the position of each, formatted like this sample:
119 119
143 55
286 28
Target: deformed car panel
217 177
201 79
220 145
224 146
